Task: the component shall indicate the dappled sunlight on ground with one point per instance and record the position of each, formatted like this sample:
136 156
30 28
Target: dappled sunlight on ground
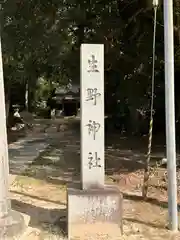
40 188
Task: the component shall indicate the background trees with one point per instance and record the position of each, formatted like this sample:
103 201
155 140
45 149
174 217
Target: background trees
42 39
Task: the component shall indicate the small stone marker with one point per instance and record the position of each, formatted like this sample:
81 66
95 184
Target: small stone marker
95 211
92 115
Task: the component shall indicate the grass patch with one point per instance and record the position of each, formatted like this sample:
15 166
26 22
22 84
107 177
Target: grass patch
25 181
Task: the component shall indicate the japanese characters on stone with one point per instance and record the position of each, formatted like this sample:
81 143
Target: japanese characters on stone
93 128
92 64
92 95
94 160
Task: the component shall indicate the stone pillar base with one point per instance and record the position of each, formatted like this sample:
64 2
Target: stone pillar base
12 226
94 213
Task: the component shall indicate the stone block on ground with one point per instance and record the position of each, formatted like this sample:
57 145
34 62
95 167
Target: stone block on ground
94 213
13 226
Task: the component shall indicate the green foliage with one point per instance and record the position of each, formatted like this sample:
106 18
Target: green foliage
43 38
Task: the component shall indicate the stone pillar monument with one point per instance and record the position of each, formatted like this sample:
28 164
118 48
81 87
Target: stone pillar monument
92 115
94 210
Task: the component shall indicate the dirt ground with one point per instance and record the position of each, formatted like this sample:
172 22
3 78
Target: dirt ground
41 191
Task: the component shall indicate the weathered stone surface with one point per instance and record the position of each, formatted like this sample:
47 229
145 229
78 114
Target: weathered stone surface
92 115
12 225
93 209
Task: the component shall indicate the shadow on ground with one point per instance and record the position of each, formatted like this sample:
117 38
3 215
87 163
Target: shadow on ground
38 198
153 201
153 225
13 136
60 162
23 152
50 220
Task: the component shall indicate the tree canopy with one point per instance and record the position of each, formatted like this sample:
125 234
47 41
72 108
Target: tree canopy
42 39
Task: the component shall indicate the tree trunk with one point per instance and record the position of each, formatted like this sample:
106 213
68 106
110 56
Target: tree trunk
29 98
134 120
7 104
26 96
30 93
7 108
